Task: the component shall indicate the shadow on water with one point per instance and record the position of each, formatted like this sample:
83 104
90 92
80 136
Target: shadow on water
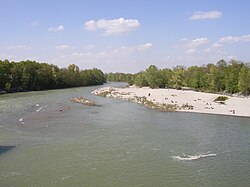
6 148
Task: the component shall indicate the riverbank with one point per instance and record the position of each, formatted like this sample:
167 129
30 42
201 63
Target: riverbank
180 100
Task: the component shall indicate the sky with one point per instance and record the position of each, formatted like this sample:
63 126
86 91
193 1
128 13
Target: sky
125 35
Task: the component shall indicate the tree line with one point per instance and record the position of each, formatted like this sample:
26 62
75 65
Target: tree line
228 77
32 76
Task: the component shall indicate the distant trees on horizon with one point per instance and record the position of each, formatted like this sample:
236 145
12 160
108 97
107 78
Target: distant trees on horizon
229 77
32 76
232 77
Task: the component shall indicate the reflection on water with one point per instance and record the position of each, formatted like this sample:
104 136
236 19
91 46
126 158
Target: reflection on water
116 144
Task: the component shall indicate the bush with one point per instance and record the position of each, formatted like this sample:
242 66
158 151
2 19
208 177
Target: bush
187 106
104 94
221 98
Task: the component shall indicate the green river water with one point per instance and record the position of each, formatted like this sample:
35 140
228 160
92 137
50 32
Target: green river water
116 143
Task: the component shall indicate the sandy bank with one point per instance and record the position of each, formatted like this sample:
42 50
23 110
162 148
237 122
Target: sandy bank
178 100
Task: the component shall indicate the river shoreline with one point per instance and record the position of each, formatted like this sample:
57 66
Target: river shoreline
5 92
171 100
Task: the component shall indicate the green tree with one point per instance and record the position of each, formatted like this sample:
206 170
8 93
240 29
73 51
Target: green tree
44 78
166 75
232 76
31 75
153 77
140 80
244 80
218 76
5 74
178 77
16 76
195 77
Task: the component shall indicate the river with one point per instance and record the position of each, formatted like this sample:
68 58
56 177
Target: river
45 140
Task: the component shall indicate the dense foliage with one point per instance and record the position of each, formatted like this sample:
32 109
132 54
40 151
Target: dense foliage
31 76
119 77
232 77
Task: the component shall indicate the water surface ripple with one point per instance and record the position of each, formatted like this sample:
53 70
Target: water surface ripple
45 140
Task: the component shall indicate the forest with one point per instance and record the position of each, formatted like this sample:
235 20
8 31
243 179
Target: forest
34 76
223 77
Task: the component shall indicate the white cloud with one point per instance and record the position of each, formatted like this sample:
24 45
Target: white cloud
88 47
6 56
231 57
190 51
216 45
184 39
229 39
35 23
125 50
109 58
234 39
207 50
62 47
113 26
112 53
24 47
245 38
16 58
206 15
195 43
59 28
132 49
145 47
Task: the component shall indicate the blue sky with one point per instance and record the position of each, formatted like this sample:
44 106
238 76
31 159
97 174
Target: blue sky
125 36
